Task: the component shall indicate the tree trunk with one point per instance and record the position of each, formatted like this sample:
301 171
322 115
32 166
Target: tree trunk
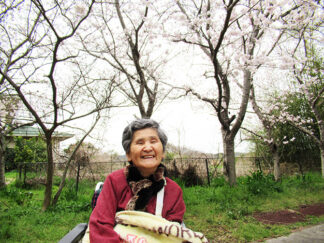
321 145
276 163
50 173
322 159
62 183
229 159
2 167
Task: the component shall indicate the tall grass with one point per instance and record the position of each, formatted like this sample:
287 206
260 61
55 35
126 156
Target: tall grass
221 212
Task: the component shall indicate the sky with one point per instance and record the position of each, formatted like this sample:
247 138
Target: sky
184 123
187 122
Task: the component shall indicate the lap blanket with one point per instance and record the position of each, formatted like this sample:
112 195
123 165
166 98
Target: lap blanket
141 227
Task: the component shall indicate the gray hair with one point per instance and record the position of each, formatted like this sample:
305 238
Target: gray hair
138 125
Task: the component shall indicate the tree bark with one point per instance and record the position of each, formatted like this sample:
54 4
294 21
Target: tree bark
276 163
229 158
268 128
321 142
2 166
50 173
62 183
322 159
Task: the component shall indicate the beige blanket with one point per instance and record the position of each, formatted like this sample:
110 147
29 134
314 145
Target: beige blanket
141 227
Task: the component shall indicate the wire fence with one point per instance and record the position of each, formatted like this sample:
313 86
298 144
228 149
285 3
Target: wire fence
204 168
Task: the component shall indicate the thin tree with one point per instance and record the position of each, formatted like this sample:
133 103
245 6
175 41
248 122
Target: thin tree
9 102
71 157
9 121
44 67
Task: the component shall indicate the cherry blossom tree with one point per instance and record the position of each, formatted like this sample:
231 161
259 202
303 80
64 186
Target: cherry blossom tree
293 146
232 35
302 19
200 19
310 78
124 36
310 85
7 6
272 144
40 60
237 37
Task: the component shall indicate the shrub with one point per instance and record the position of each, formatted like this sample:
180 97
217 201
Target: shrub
218 181
259 184
30 150
173 173
190 177
9 157
69 191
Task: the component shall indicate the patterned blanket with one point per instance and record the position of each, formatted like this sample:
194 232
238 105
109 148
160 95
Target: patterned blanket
141 227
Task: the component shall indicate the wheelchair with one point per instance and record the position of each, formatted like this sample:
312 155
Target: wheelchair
77 233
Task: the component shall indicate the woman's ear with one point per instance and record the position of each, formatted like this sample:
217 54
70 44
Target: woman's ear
129 157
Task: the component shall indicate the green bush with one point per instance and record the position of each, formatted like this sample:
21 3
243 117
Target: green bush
218 181
232 201
259 184
9 158
69 191
30 150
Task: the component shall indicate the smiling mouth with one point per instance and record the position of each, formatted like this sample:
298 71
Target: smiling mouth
148 157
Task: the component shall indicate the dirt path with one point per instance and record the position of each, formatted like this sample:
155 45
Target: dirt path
290 216
314 234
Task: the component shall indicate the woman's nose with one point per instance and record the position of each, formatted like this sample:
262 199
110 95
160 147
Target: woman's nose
147 147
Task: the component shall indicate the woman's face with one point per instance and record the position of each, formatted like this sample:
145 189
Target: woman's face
146 151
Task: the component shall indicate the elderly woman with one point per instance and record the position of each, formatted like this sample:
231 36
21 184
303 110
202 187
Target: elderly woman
136 186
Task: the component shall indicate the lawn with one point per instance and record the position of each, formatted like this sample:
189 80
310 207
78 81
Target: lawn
221 212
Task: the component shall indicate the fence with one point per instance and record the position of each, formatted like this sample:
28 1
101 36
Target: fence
27 171
205 168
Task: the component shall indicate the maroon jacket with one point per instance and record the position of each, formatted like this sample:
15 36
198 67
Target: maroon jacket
114 197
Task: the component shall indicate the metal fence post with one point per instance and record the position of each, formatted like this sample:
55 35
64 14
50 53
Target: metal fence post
77 179
207 169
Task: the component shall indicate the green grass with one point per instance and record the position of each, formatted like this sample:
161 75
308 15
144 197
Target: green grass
224 214
20 210
11 174
221 212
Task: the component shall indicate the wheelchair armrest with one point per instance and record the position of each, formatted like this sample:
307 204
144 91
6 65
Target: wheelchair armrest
75 234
